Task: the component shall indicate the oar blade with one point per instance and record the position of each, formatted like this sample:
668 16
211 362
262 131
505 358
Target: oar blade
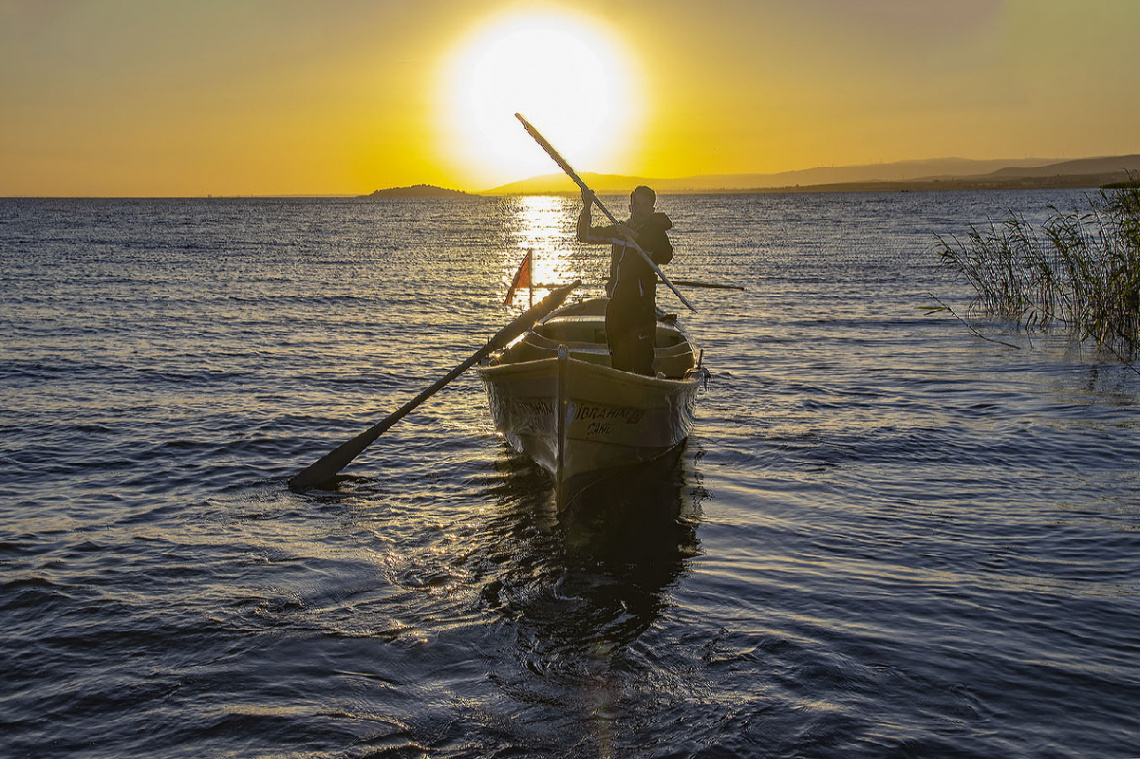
328 466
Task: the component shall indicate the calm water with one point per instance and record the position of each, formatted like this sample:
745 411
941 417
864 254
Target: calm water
887 537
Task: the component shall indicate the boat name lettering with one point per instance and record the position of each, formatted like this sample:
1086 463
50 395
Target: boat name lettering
533 407
610 413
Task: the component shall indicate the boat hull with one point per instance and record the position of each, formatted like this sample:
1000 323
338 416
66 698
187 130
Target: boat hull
581 420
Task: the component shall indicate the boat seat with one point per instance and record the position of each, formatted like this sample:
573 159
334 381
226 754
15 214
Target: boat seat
535 346
580 329
551 342
590 329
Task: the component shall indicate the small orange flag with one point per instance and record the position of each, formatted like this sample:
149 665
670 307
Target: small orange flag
522 279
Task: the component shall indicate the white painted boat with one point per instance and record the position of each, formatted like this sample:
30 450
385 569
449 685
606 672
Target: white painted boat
554 396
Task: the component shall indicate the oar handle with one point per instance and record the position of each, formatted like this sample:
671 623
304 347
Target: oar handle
710 285
562 164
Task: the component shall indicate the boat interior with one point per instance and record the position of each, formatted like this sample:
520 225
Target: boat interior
581 327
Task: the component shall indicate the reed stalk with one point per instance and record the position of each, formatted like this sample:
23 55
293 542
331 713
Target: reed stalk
1080 271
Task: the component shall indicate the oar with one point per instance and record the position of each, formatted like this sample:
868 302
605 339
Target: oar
331 463
710 285
562 164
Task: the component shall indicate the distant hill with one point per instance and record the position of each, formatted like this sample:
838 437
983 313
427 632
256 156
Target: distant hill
946 173
419 191
1085 172
1086 166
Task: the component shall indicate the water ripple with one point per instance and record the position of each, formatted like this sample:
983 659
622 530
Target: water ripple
886 537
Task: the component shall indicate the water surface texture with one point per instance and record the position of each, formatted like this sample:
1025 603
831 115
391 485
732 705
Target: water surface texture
887 537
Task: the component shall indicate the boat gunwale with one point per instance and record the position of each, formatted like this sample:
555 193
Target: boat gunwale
540 365
592 311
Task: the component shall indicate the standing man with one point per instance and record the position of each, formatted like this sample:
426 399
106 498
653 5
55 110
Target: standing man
631 317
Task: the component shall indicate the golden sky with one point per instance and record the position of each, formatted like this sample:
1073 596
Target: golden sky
270 97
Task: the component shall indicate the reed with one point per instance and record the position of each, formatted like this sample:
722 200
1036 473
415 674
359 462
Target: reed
1080 271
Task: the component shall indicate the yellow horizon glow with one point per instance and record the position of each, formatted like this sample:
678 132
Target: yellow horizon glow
259 97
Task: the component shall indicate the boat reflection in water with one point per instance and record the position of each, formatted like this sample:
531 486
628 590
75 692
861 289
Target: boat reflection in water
590 578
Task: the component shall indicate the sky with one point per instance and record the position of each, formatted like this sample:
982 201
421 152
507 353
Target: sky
307 97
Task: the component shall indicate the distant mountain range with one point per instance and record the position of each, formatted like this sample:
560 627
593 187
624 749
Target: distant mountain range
937 174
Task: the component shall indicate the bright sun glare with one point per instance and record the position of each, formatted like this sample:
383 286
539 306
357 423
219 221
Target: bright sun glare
565 75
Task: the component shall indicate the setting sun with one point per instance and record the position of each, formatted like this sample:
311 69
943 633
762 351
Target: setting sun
566 75
249 98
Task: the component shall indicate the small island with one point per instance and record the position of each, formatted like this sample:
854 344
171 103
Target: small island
420 191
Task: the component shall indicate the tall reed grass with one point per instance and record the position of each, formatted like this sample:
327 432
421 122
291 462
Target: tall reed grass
1080 271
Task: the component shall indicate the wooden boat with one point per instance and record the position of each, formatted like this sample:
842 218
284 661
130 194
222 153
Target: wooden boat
554 396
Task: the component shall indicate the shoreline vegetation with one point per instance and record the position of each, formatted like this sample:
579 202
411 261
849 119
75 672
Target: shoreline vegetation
1079 271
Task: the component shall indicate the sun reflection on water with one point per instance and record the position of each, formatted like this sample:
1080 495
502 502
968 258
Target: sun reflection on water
545 225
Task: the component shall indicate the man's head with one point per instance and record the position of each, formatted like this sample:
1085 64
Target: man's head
642 202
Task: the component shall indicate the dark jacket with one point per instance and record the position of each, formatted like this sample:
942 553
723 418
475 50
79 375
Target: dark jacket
631 279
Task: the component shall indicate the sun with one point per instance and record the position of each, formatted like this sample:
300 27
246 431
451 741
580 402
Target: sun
570 78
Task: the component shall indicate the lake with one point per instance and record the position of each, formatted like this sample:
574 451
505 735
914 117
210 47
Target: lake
887 536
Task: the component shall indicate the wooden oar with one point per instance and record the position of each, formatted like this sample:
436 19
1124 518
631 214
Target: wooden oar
331 463
562 164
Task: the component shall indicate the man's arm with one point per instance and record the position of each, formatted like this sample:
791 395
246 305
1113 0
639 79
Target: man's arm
588 233
659 247
584 217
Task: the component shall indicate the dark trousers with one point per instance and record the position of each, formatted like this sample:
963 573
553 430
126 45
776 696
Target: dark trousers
631 330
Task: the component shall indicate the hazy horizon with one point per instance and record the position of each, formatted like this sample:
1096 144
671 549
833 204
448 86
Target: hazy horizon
260 98
898 172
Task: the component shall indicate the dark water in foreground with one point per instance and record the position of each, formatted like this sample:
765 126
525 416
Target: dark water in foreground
887 537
